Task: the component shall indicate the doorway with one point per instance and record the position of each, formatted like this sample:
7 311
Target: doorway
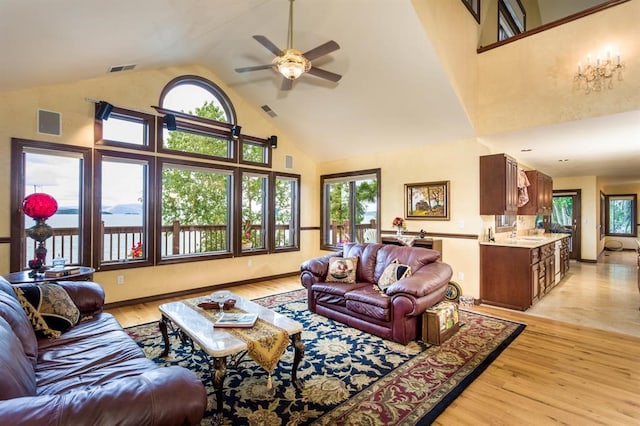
565 218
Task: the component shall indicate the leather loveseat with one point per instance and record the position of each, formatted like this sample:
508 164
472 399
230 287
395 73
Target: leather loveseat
392 314
92 374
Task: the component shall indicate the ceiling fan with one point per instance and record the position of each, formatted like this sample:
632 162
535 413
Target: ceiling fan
292 63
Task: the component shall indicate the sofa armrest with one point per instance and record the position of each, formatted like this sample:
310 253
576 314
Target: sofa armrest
315 270
88 296
424 281
165 396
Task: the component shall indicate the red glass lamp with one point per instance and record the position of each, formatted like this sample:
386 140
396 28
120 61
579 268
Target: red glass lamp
40 207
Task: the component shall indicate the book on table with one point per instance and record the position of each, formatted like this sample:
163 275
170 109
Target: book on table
242 319
62 272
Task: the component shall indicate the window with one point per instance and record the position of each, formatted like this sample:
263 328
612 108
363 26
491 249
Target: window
125 128
511 18
255 151
621 216
123 209
286 193
201 118
350 207
196 205
474 8
62 171
253 220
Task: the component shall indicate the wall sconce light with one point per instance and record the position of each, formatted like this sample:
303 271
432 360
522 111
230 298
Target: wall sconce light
103 110
598 75
235 131
170 121
273 141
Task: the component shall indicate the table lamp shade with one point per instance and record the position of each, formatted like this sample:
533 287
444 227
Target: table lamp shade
39 205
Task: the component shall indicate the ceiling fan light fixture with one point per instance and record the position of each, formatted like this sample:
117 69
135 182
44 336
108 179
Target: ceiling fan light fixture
292 64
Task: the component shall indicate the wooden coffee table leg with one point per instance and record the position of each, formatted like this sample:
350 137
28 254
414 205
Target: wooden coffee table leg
217 376
297 357
163 329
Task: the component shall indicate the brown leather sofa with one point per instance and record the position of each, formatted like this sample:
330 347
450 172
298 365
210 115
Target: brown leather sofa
392 315
93 374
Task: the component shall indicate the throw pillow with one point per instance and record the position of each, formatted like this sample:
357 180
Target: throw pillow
342 270
393 272
49 308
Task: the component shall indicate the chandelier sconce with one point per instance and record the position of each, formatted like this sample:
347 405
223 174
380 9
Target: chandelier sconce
598 75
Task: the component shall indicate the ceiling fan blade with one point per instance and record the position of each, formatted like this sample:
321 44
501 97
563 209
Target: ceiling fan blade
327 75
268 44
254 68
287 84
321 50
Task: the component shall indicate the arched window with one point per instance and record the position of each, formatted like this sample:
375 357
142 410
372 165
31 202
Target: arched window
199 97
198 119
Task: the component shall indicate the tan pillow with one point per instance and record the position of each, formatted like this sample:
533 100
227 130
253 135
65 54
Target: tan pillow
342 270
393 272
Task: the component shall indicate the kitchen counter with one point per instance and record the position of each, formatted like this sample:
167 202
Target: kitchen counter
527 241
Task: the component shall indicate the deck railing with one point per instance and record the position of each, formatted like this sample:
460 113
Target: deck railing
176 239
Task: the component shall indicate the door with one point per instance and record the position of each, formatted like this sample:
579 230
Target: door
565 218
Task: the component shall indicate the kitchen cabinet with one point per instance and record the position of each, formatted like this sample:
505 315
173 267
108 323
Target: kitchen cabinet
498 185
516 277
540 193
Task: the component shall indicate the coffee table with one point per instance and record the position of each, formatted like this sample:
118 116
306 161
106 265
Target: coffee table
219 343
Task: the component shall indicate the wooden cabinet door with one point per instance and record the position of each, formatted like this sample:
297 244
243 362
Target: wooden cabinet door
498 185
535 282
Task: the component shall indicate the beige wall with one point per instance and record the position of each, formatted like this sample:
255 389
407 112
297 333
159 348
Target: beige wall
456 162
518 78
139 90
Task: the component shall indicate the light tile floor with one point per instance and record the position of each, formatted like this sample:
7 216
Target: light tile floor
601 295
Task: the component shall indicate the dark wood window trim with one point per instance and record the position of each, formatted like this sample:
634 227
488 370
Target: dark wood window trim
208 85
18 240
634 215
161 162
147 120
264 143
149 223
296 213
187 126
474 7
267 210
324 198
511 19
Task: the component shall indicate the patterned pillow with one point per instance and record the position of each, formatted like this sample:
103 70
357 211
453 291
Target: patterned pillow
393 272
342 270
48 307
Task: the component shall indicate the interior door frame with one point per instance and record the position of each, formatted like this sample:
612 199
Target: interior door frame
576 245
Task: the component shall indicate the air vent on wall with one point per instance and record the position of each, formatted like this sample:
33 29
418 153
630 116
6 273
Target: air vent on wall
288 162
268 110
118 68
49 122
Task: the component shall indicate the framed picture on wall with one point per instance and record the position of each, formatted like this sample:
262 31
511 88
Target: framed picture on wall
427 200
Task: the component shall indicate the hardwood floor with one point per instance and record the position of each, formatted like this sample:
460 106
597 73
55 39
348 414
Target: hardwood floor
555 372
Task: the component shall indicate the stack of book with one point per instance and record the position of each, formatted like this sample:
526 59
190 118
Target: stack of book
62 272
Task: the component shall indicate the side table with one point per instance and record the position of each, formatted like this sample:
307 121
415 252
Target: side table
22 277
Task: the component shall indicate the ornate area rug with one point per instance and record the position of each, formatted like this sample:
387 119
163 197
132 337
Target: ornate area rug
350 377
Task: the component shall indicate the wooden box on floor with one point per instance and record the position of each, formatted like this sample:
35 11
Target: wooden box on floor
440 322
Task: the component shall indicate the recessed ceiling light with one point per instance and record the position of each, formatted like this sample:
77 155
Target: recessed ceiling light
526 150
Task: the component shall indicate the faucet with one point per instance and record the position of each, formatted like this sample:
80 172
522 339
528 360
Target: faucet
514 230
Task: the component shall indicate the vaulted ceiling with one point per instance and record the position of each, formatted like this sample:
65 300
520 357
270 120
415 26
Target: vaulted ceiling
394 91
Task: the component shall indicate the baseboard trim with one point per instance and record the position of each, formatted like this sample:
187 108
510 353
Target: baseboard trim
183 293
